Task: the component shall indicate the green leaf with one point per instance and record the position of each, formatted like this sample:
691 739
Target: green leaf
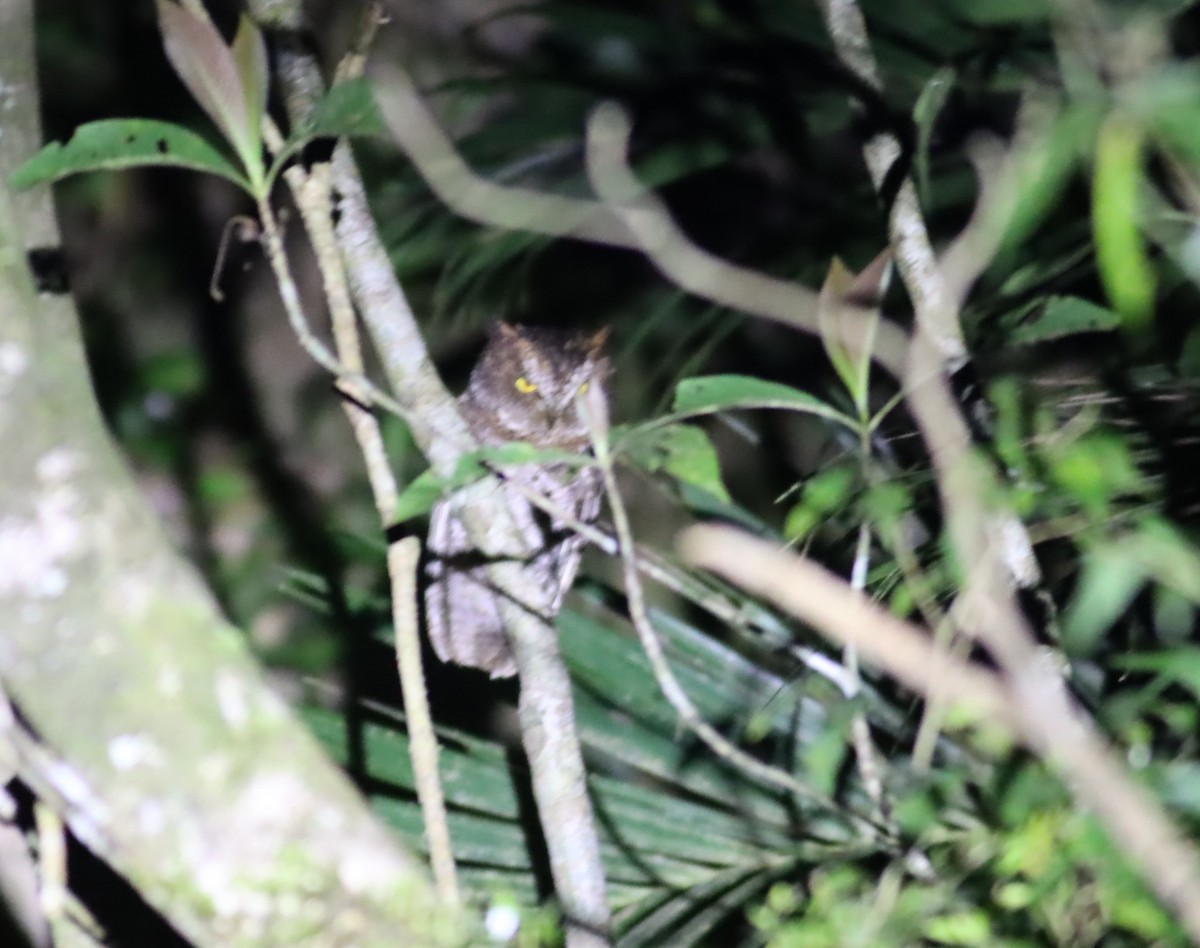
929 105
115 144
682 451
1169 556
824 493
250 60
348 109
1181 665
428 488
824 757
833 311
1167 99
1064 316
1111 578
1174 616
425 491
200 58
1095 469
1043 172
1121 256
961 928
179 372
710 394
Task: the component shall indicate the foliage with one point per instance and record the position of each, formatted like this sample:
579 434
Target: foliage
751 132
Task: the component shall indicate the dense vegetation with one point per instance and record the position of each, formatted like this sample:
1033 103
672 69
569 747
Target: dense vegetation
921 823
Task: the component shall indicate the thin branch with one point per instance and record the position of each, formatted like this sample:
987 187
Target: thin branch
626 217
474 197
818 597
546 706
709 276
403 558
365 390
1031 701
720 606
935 310
869 766
667 682
312 197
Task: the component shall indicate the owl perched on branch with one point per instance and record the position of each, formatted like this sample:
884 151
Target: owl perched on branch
524 387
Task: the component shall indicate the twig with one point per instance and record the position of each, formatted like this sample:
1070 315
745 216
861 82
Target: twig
546 704
417 132
365 390
1031 701
403 558
934 309
312 197
869 767
986 610
667 682
626 217
680 582
826 602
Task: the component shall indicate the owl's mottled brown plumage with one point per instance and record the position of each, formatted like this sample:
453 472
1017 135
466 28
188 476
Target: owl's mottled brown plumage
523 388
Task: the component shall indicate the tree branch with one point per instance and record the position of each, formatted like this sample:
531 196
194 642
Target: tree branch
546 705
145 722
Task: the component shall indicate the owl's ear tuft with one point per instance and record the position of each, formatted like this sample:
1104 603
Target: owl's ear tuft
502 330
597 339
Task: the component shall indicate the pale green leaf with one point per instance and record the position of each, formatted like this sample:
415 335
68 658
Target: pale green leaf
1180 665
929 106
427 489
1121 254
348 109
250 60
206 65
1111 578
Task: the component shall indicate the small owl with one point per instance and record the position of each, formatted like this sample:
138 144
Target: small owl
523 388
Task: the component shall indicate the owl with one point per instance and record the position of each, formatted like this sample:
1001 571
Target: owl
524 387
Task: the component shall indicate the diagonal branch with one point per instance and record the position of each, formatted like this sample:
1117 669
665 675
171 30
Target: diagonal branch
1034 705
1027 695
546 705
935 310
668 684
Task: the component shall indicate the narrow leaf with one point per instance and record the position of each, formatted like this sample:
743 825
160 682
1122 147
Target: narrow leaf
250 60
829 305
113 144
929 106
1120 251
709 394
1180 665
1111 578
347 110
204 63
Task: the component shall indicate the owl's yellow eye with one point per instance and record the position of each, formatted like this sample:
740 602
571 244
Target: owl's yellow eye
584 387
525 386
